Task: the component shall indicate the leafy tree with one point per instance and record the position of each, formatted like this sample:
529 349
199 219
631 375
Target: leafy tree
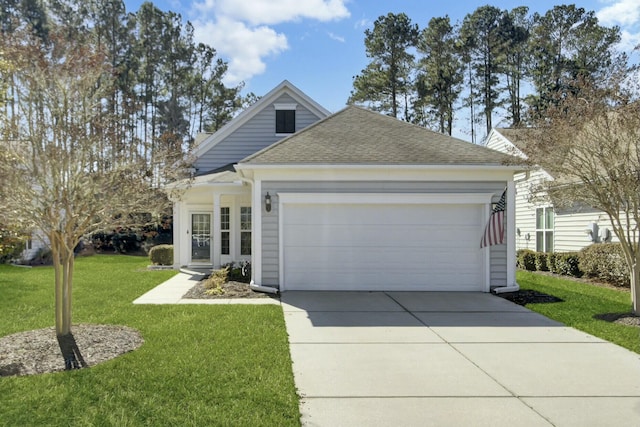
439 78
482 40
589 141
62 171
387 78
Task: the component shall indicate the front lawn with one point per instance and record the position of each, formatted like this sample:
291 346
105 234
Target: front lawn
200 364
582 305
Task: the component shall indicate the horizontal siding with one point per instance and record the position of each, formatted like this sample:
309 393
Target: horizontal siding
256 134
270 248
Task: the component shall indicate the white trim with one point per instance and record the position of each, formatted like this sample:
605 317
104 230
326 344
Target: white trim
216 238
511 233
285 106
285 198
387 198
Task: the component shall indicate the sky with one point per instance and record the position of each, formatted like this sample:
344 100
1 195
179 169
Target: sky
318 45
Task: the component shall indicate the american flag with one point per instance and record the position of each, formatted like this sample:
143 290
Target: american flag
494 230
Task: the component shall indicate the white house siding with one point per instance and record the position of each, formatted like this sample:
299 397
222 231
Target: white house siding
256 134
270 231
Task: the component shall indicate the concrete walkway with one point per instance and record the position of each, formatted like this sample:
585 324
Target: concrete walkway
171 292
451 359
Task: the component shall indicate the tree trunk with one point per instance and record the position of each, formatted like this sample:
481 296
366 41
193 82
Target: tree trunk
63 268
635 288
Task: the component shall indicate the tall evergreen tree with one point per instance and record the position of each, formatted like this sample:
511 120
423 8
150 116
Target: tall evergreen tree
515 29
387 78
567 45
439 76
482 40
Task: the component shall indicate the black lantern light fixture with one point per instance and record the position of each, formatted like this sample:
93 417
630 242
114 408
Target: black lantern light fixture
267 202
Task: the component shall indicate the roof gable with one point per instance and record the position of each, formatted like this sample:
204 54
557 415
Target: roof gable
284 88
356 135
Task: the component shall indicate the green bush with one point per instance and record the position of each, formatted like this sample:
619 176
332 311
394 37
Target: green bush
161 255
605 262
526 259
541 261
567 264
551 262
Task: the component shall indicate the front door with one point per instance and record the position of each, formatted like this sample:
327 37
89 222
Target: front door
201 238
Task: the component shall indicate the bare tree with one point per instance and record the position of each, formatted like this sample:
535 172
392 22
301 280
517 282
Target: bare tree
63 168
590 143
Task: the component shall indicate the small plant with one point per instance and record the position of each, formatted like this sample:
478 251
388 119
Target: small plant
239 271
551 262
213 284
605 262
161 255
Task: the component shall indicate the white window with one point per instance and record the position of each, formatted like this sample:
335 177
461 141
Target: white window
544 229
225 221
245 230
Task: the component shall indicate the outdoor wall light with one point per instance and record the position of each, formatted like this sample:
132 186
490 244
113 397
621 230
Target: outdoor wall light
267 202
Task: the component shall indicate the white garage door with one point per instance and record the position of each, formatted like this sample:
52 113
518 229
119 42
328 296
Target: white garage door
369 246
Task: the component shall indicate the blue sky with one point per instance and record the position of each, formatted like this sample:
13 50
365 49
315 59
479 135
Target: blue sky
318 45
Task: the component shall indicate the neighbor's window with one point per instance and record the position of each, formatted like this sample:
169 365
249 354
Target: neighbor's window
224 231
245 230
545 218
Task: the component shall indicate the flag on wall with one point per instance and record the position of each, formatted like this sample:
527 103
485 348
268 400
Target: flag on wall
494 230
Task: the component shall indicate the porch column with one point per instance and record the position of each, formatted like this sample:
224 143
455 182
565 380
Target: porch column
177 235
215 247
510 212
256 232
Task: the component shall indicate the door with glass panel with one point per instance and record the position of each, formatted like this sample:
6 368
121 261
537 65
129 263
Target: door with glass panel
201 238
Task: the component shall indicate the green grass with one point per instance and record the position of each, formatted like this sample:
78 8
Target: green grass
200 365
581 304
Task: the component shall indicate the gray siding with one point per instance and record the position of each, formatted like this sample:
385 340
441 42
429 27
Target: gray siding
259 132
270 248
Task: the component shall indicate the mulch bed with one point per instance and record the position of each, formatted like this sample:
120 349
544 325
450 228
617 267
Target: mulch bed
230 289
39 351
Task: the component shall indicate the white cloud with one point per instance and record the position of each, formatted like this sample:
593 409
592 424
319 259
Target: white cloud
245 47
621 12
271 12
336 37
240 30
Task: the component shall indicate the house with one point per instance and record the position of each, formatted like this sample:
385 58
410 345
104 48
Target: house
349 201
539 225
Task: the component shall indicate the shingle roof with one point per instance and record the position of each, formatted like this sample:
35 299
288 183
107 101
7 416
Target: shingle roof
356 135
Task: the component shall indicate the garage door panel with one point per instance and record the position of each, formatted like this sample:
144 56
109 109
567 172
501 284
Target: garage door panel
382 247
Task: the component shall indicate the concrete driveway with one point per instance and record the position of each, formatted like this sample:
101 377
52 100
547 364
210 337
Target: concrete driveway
440 359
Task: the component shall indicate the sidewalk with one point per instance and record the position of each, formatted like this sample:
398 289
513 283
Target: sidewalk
171 292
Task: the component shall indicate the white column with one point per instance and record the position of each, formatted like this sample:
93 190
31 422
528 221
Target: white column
216 238
177 235
511 232
256 233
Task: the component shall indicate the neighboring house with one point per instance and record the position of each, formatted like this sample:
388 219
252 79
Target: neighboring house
539 225
350 201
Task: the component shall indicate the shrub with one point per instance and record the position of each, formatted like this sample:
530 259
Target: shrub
161 255
567 263
213 283
526 259
551 262
605 262
541 261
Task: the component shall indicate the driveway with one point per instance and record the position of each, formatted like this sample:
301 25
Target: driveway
451 358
